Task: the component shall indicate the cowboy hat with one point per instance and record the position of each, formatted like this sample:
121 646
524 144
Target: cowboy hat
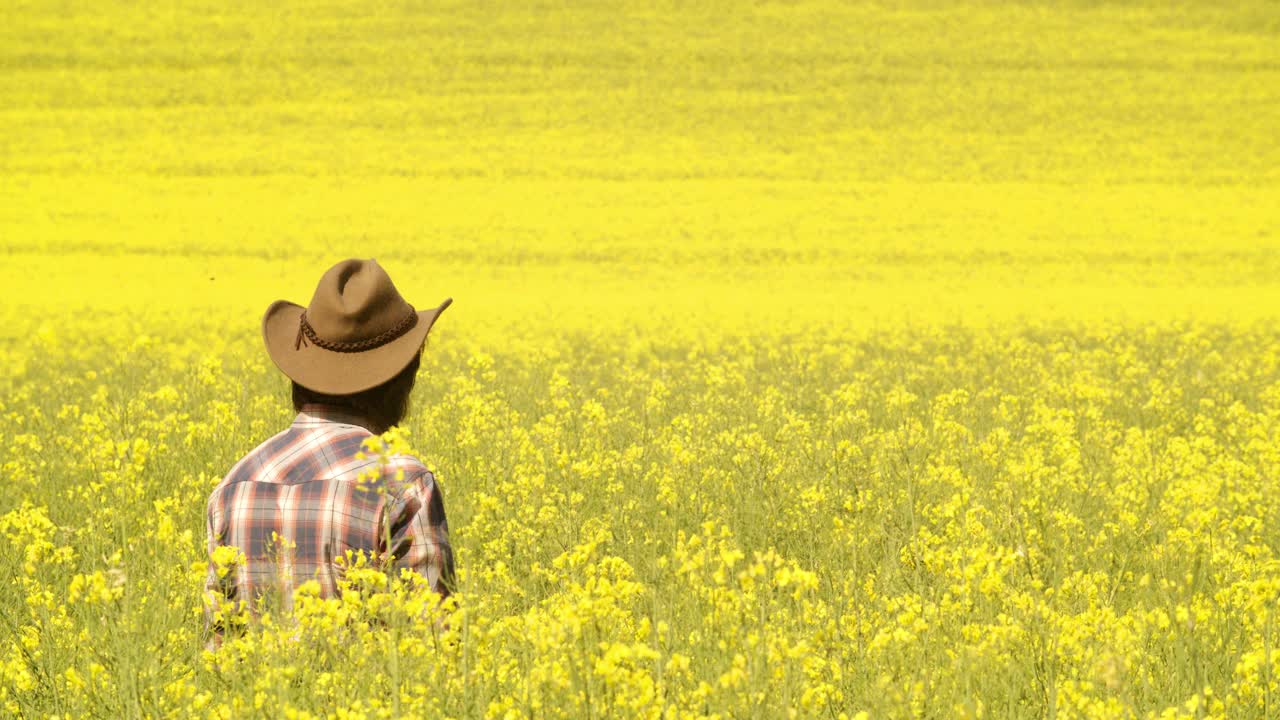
357 333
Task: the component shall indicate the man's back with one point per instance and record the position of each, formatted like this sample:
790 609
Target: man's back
299 506
296 505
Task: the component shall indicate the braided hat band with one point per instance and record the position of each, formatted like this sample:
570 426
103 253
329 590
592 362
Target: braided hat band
306 332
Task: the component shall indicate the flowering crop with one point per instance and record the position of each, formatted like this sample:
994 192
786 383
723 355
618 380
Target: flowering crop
973 522
808 359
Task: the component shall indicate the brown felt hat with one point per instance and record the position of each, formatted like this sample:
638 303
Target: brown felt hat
358 332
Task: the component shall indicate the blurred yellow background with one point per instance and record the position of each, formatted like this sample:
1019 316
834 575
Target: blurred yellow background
567 165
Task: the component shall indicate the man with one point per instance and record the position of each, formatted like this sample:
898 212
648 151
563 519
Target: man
294 508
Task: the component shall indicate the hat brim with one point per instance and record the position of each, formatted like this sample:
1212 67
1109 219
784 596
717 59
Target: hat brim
339 373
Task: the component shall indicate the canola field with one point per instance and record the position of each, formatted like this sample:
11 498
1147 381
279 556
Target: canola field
807 359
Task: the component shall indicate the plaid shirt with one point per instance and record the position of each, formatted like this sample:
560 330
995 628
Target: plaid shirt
295 505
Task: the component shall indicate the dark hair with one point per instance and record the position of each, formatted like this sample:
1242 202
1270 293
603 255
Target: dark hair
383 405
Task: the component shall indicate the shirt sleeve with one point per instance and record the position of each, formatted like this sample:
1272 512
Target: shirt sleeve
419 534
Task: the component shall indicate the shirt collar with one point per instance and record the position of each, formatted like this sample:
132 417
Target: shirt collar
313 414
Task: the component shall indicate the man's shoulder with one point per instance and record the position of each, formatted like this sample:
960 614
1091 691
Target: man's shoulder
252 460
293 447
331 452
411 465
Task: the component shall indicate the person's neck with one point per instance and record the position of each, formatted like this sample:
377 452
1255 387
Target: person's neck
344 414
